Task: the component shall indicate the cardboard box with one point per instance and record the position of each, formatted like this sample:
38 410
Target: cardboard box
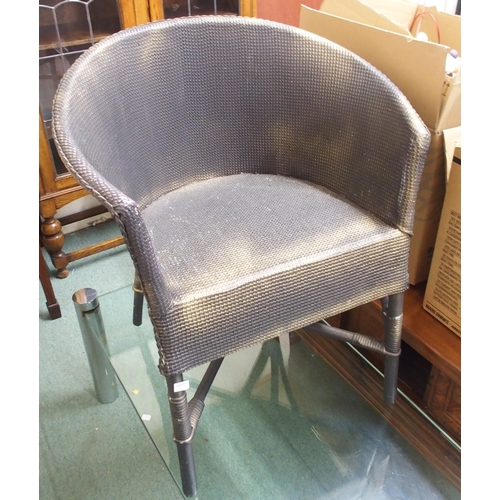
429 203
442 296
378 31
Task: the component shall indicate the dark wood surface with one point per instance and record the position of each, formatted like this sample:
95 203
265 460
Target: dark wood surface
403 416
429 375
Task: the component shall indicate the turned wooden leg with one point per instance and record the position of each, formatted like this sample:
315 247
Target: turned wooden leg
53 241
43 273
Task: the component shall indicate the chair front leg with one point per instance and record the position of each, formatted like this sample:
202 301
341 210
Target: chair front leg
392 310
183 433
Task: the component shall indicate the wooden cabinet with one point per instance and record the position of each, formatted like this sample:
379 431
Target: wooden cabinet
66 29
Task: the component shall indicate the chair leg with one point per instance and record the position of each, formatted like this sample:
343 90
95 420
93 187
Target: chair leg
138 301
183 433
392 310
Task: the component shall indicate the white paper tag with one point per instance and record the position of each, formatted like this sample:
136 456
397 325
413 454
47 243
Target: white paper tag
181 386
146 417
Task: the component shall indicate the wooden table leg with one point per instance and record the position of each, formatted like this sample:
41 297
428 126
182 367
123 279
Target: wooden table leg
52 304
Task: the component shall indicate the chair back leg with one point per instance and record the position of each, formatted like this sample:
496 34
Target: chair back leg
392 310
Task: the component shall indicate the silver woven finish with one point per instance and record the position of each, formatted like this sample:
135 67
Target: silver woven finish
264 178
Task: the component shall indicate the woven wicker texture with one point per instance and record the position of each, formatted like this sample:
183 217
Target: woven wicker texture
165 123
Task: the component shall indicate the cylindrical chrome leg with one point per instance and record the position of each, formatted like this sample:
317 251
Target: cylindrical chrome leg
94 339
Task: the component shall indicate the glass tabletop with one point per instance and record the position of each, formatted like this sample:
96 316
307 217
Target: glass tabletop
279 422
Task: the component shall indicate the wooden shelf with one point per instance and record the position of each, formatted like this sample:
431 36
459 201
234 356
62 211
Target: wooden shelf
74 38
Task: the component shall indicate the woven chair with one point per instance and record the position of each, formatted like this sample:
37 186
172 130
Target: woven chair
263 178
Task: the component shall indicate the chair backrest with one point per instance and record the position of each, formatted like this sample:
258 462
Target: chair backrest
158 106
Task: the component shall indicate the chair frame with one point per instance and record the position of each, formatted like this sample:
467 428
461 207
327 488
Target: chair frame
386 189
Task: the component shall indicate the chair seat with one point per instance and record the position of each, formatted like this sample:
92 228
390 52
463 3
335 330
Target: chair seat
247 257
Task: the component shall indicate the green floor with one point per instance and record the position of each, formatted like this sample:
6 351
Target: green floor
89 450
256 439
